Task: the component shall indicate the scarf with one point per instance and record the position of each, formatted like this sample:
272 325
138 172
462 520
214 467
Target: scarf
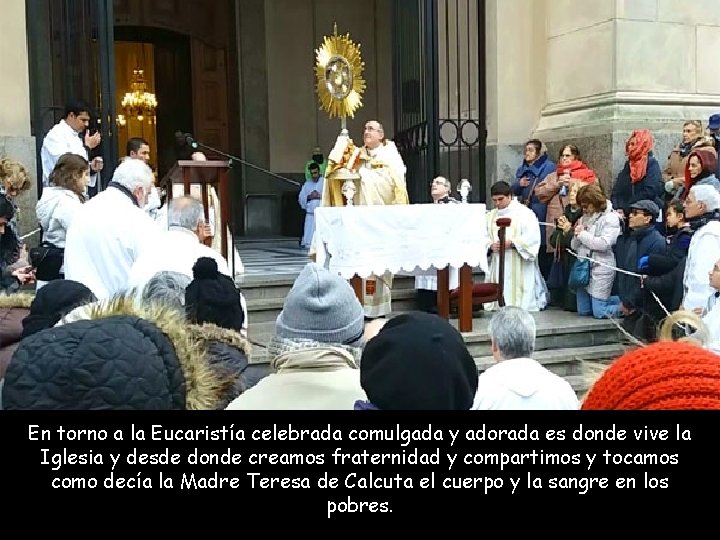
124 191
708 162
700 221
638 158
578 171
301 354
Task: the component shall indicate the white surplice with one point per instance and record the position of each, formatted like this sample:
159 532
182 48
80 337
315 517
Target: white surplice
523 384
703 253
309 206
712 323
106 237
62 139
524 284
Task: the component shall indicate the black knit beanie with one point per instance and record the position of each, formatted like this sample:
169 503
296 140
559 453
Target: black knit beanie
212 297
52 302
418 361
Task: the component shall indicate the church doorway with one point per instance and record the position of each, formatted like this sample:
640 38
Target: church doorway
162 61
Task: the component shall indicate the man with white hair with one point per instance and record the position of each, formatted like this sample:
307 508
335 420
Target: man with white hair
111 231
702 210
179 247
517 381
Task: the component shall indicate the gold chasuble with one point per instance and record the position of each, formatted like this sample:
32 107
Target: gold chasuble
382 181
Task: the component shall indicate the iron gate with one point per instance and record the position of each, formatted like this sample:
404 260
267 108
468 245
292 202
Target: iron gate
439 97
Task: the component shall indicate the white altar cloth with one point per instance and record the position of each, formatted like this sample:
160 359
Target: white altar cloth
412 239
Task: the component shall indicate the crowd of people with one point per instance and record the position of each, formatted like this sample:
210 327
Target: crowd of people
639 251
132 310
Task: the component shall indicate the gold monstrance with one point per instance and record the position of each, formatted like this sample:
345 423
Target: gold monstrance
338 70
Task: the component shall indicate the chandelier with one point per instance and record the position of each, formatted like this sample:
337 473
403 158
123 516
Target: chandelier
139 103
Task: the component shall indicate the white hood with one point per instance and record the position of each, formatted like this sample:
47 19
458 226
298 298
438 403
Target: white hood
523 383
52 196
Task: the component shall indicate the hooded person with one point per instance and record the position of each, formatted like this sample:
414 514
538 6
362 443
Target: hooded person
213 307
417 361
125 356
700 170
315 348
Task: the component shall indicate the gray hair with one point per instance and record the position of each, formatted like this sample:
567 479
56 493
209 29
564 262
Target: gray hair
132 174
708 195
444 181
513 331
167 289
185 212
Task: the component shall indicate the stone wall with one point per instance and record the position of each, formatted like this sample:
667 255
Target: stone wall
15 139
611 66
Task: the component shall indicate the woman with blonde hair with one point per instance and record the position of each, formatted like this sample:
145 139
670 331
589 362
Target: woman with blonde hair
55 211
14 178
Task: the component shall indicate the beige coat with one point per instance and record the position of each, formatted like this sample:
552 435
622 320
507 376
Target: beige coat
311 379
548 193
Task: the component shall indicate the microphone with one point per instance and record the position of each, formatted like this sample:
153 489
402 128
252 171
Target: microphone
190 140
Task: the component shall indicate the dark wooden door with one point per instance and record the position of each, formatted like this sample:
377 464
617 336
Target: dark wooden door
70 47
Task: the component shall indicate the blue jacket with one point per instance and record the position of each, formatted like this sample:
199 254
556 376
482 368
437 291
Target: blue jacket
535 173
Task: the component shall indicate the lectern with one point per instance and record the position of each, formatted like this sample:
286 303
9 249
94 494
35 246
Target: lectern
203 174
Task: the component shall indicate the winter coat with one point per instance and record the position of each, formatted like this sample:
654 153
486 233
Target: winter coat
124 357
13 309
535 173
597 242
651 187
630 249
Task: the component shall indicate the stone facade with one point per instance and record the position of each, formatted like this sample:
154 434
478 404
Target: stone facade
15 139
582 71
591 71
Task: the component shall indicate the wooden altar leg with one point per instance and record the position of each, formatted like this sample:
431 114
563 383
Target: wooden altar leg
443 292
465 315
356 282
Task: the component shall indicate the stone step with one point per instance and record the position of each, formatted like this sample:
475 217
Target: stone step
261 288
262 310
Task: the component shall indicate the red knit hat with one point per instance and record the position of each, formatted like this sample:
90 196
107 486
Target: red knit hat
667 375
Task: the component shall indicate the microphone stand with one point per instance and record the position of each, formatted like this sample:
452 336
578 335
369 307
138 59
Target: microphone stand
231 158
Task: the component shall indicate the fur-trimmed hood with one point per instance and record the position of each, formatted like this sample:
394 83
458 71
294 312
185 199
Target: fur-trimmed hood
16 300
205 386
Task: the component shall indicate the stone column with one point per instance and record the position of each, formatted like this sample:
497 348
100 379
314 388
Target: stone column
515 82
608 67
620 65
16 141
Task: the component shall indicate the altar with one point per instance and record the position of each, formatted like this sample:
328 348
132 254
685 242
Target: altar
358 241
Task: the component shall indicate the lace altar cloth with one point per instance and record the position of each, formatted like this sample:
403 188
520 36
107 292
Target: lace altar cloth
412 239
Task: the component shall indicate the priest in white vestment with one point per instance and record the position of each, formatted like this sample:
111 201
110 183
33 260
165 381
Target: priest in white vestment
382 181
111 231
524 285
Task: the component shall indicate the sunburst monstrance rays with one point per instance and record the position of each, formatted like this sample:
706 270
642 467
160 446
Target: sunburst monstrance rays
338 70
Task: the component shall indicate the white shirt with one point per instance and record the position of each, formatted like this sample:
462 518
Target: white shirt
106 237
61 139
177 251
703 253
523 383
712 323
